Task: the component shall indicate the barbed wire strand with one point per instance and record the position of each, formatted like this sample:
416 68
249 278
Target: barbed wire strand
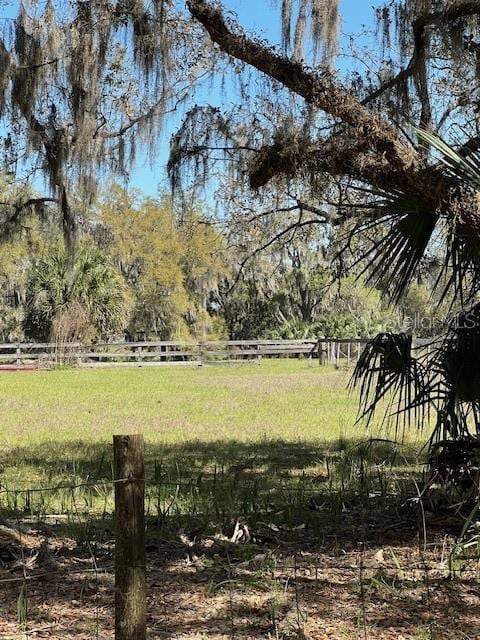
361 566
170 483
66 487
35 630
59 573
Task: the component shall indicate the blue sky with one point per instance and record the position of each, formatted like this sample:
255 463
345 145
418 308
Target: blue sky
264 15
261 17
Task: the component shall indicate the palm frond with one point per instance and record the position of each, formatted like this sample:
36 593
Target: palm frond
445 381
463 165
55 284
459 356
453 419
460 273
387 372
461 265
391 262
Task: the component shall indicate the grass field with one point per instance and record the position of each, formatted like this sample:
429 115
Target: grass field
331 543
288 399
279 423
57 424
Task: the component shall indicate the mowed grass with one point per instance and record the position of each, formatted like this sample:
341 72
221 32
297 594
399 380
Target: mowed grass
288 399
276 419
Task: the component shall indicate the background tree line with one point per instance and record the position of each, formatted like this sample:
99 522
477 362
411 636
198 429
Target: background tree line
142 269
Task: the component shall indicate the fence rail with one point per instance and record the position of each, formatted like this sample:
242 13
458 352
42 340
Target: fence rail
38 355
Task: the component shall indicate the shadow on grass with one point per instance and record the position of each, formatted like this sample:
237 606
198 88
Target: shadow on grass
307 505
338 488
269 458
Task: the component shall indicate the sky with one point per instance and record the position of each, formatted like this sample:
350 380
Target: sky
263 18
259 16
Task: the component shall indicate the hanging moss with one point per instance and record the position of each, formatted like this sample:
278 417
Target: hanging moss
79 77
300 29
286 24
5 71
324 19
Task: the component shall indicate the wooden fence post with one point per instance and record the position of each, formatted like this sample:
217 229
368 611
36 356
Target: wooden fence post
130 570
321 353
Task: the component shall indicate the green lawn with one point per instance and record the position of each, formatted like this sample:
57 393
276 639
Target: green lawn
288 399
278 419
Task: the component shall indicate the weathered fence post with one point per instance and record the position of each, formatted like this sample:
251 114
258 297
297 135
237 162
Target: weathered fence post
130 573
321 352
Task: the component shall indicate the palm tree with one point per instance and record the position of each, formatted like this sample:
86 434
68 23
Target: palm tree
87 289
410 385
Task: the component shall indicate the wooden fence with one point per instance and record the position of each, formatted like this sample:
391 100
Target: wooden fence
144 354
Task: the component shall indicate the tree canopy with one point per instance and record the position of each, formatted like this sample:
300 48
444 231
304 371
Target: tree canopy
87 85
322 156
353 144
93 293
299 140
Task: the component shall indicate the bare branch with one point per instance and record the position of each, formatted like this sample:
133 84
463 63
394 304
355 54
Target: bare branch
291 228
419 27
318 89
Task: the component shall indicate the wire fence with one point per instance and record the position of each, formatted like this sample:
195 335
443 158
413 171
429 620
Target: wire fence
271 577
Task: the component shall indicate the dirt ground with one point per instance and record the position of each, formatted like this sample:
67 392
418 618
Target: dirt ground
261 586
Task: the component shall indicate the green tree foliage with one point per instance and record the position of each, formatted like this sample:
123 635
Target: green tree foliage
90 283
247 312
182 281
168 266
205 266
346 310
14 262
171 266
142 240
21 244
